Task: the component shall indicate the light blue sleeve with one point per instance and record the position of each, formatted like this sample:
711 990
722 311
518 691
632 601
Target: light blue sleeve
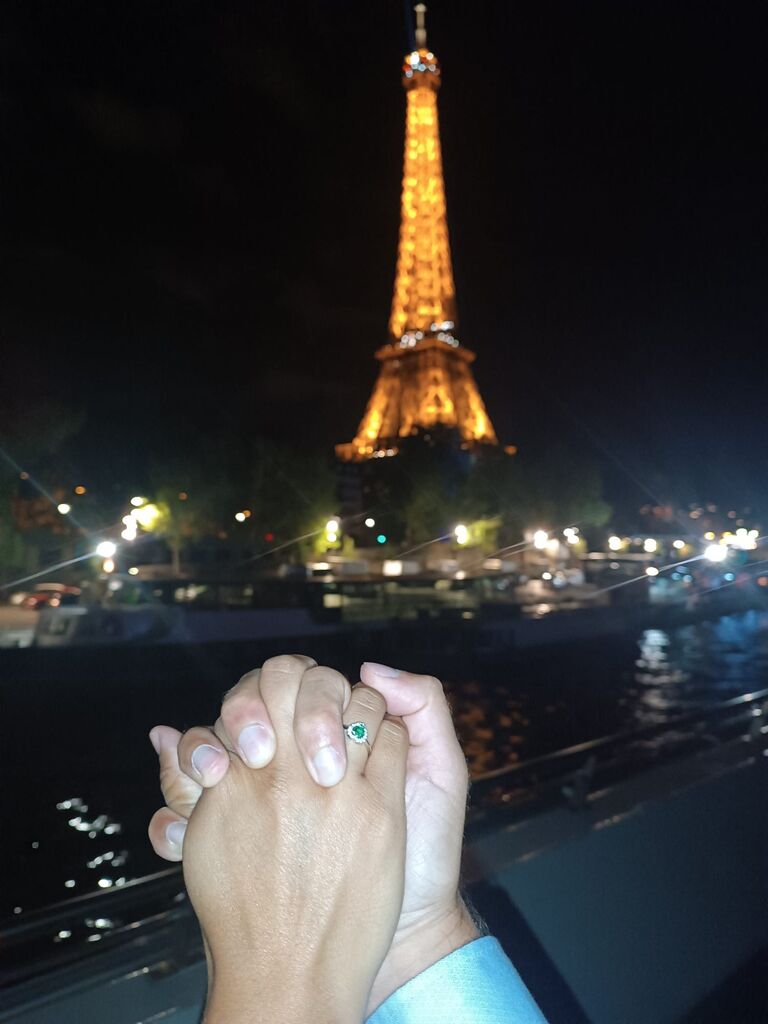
476 984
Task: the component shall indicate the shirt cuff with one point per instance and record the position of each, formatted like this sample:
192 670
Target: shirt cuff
475 984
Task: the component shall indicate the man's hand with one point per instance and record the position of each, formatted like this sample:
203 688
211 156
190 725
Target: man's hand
434 920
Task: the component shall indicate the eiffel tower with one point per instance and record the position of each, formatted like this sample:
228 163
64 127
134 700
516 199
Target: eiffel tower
425 383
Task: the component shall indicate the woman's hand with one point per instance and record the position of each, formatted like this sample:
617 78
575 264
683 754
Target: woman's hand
434 920
298 888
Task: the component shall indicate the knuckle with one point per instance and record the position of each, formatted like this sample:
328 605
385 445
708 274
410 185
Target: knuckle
393 733
247 680
246 684
329 678
370 700
435 687
288 664
241 708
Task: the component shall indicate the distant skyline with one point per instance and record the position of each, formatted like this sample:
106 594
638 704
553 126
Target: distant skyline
201 208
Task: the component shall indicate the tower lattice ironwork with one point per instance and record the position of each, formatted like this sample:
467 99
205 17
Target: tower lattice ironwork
425 380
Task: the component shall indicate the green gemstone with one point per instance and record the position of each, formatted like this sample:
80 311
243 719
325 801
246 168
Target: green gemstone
358 732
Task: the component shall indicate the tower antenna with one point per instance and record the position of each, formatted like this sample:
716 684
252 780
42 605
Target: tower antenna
421 29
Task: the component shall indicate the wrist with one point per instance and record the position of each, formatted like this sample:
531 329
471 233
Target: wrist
420 945
276 1000
294 992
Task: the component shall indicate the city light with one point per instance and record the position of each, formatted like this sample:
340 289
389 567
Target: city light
106 549
745 540
678 544
370 522
540 539
133 571
650 545
146 516
461 533
332 526
138 501
651 571
80 489
108 565
614 543
715 552
64 509
381 539
240 517
709 535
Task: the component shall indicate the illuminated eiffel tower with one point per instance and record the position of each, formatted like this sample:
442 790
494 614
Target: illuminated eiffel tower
425 383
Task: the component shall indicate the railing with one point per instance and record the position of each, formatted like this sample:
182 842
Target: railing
30 950
571 773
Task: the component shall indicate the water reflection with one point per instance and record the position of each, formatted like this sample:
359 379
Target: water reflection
662 677
681 669
507 709
104 863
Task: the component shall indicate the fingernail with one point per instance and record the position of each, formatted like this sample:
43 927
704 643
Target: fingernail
204 758
175 833
154 739
328 766
382 670
257 745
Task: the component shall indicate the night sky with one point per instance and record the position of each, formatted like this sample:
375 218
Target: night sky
200 209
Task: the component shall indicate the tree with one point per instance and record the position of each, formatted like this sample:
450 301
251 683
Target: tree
280 495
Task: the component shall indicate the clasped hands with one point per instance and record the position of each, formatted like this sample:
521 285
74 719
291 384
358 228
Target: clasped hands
329 877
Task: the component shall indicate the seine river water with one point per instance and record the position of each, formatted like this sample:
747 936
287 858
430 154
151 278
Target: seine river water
81 783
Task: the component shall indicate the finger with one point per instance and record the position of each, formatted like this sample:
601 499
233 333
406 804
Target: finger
367 706
180 792
386 766
279 682
202 756
166 833
420 701
323 697
246 723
